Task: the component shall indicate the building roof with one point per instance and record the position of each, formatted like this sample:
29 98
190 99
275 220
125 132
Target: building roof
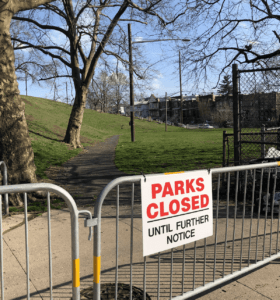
143 102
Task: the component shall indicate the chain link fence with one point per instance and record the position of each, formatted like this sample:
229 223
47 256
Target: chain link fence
257 116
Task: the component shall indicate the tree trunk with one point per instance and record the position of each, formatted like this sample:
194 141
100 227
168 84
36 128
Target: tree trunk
73 131
15 143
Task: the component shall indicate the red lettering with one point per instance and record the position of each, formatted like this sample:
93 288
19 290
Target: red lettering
179 186
162 212
167 190
200 184
177 206
149 213
204 200
189 186
156 188
185 203
195 202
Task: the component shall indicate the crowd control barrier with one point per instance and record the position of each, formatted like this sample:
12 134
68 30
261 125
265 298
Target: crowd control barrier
245 237
5 182
74 214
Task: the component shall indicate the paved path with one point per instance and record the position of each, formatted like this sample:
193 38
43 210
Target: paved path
85 175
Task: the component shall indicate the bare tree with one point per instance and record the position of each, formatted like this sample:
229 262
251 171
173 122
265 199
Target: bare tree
28 63
93 97
119 85
102 89
85 30
224 32
222 115
15 143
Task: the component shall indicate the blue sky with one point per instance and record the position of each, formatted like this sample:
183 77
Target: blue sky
165 80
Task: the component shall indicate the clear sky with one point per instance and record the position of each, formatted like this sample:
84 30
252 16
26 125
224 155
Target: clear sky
165 80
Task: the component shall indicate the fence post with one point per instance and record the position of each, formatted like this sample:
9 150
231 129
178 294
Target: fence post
263 140
5 182
224 147
236 115
165 111
224 151
278 139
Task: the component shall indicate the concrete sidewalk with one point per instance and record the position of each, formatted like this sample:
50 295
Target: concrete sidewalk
260 284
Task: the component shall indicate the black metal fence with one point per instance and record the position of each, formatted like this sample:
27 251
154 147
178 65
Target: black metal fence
254 145
256 114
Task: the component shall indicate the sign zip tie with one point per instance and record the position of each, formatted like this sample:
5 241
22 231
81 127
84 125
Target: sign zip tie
144 176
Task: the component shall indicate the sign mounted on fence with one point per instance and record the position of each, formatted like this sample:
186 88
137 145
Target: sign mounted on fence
176 209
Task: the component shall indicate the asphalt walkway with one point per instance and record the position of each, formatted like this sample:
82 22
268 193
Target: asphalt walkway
84 177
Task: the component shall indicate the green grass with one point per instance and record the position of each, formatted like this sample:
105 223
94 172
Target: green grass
154 150
157 151
47 123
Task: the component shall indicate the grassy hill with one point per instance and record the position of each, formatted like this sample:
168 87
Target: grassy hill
153 151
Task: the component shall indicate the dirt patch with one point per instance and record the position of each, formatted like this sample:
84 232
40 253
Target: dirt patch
86 140
59 131
29 118
26 102
29 103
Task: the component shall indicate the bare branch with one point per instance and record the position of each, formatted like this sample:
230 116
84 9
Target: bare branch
104 41
104 6
48 27
277 35
53 8
133 20
45 52
54 77
148 10
82 10
37 46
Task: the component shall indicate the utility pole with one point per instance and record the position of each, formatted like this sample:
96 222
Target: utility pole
181 117
236 114
165 111
54 88
66 92
26 82
131 85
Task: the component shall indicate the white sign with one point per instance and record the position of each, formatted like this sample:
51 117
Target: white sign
131 108
176 209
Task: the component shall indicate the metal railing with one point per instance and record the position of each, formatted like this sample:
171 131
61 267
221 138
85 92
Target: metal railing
74 214
5 182
241 241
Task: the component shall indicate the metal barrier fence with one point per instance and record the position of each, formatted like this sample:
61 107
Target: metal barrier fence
74 213
5 182
241 241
